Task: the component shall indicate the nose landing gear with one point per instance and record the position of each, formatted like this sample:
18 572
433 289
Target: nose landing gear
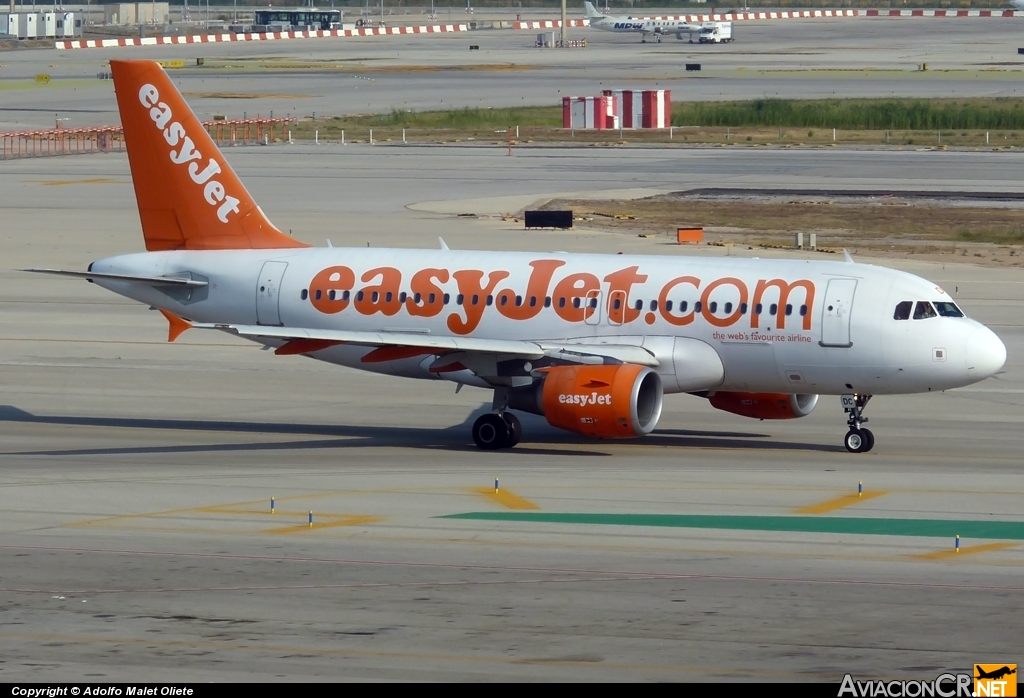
858 439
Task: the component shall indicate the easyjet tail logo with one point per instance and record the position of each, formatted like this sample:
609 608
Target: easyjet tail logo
186 154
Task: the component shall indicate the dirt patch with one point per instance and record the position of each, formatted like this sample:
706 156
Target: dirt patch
939 228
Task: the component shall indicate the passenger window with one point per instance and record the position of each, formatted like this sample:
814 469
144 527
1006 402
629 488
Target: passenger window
561 302
345 296
654 305
617 303
758 309
696 307
728 308
789 309
593 302
417 298
924 310
476 299
460 299
430 299
388 297
713 306
330 295
401 297
547 301
743 308
305 294
375 297
668 306
773 308
504 300
319 294
903 310
359 296
445 298
490 300
639 305
803 310
575 302
947 309
533 301
682 306
519 301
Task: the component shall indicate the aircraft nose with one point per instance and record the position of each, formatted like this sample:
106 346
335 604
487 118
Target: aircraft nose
986 353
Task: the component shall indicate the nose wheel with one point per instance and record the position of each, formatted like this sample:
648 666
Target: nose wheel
494 431
858 439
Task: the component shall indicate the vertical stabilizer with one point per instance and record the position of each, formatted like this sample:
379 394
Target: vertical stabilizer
592 11
189 197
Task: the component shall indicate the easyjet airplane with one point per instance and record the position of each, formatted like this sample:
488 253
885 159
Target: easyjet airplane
591 342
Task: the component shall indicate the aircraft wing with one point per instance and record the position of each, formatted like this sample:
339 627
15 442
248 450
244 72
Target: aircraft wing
304 341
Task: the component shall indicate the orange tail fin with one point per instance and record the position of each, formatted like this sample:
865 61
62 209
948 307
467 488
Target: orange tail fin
189 198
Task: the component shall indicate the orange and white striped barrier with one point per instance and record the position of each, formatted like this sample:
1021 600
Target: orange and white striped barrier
269 36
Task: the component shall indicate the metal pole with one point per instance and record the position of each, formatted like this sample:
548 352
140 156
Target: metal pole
565 35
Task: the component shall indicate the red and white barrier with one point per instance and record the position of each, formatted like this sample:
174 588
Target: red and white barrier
270 36
590 112
550 24
642 108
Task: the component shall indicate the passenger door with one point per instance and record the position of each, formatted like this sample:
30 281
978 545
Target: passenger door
836 309
268 286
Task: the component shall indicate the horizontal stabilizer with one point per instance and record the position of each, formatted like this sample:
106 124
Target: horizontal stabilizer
148 280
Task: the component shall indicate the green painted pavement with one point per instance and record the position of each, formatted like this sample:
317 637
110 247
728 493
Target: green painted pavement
931 528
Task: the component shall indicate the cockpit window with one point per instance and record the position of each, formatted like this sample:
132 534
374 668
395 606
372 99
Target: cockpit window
924 310
947 309
903 310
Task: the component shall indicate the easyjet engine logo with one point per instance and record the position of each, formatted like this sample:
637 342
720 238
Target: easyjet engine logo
584 400
174 133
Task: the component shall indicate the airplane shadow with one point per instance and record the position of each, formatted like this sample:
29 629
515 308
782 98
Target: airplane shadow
542 439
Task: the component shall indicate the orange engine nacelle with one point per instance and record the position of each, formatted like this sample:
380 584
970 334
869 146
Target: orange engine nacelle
765 405
607 402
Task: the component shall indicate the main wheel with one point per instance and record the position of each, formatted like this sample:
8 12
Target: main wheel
491 432
515 428
855 441
869 438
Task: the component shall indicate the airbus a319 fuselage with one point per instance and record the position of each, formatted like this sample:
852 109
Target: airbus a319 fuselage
591 342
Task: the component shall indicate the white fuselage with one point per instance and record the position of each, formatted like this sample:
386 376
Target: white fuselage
629 25
784 326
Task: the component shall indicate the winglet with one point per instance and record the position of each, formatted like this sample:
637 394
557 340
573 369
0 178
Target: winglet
848 256
444 245
177 325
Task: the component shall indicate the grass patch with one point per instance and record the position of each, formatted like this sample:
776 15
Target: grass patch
856 114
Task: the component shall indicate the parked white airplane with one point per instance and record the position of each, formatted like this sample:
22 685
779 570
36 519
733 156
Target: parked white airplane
646 27
591 342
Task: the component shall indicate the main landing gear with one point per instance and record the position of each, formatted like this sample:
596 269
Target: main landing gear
858 439
493 431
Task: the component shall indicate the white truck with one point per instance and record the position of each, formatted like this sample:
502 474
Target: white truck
715 33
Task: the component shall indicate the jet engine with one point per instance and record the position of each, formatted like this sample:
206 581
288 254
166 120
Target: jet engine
619 401
764 405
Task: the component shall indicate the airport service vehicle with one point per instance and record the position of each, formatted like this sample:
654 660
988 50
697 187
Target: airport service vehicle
645 27
715 33
591 342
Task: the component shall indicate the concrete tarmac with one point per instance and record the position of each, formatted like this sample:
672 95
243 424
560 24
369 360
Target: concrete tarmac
137 539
